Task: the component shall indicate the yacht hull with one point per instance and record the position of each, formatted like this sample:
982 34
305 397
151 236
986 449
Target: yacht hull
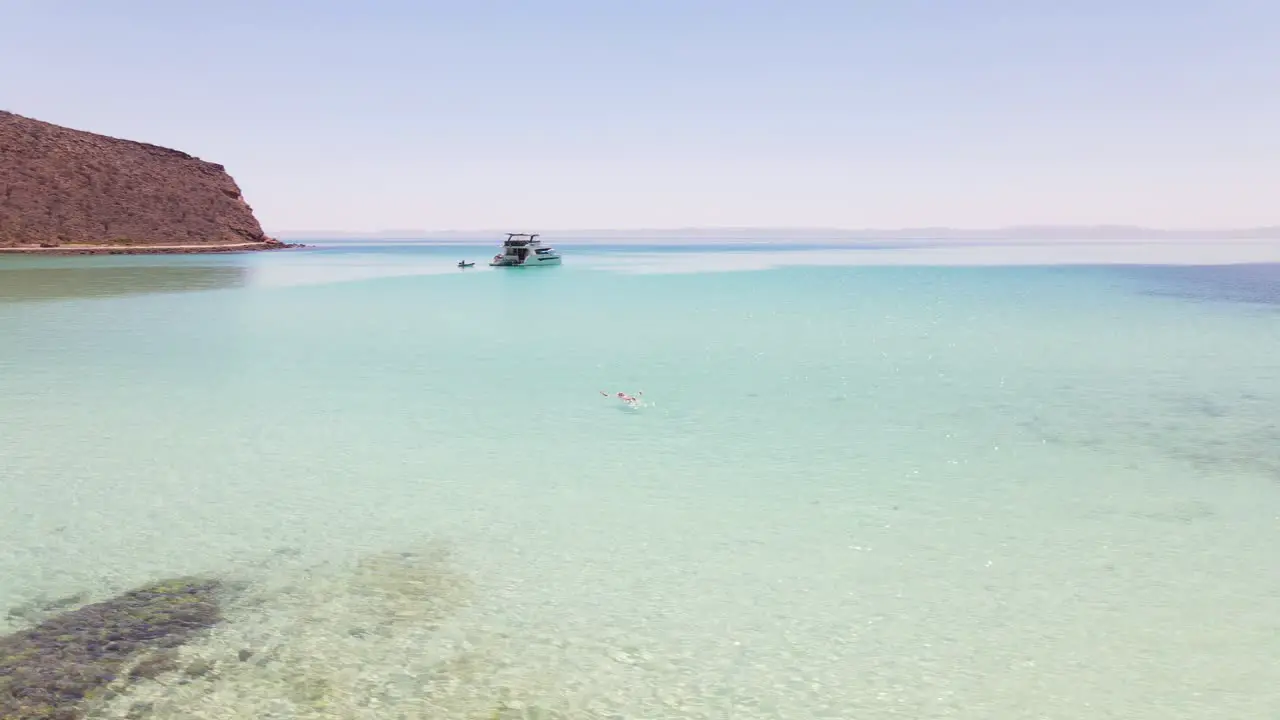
532 262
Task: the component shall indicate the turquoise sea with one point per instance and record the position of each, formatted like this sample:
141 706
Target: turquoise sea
888 481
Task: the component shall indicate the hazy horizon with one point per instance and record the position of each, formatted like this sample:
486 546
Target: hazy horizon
675 114
1028 232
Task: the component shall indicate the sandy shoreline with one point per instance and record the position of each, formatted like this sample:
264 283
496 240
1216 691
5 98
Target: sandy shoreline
147 249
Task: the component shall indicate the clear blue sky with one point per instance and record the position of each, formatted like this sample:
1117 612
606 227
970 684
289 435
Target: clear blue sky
551 114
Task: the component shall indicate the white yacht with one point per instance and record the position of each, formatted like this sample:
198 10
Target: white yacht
524 250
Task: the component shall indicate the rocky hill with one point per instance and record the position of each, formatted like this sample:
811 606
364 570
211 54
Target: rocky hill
64 189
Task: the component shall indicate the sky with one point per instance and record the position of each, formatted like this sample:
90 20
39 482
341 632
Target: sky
559 114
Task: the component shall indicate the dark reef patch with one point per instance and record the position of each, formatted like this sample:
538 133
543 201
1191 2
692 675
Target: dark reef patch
54 670
1254 283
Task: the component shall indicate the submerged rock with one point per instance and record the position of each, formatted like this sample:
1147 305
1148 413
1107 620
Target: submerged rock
53 670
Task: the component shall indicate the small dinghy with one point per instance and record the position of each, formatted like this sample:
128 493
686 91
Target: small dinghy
465 264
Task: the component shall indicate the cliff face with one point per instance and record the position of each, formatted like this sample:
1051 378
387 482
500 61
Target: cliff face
64 187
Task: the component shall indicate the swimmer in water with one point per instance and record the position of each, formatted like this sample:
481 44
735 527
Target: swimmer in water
631 400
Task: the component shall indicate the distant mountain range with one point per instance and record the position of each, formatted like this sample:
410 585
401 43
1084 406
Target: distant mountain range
1024 232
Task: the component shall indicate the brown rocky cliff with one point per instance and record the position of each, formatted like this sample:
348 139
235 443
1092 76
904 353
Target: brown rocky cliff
69 187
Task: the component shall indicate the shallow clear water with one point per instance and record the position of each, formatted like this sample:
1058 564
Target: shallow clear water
895 489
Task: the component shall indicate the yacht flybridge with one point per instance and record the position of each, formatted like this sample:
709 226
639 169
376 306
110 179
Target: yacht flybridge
524 250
